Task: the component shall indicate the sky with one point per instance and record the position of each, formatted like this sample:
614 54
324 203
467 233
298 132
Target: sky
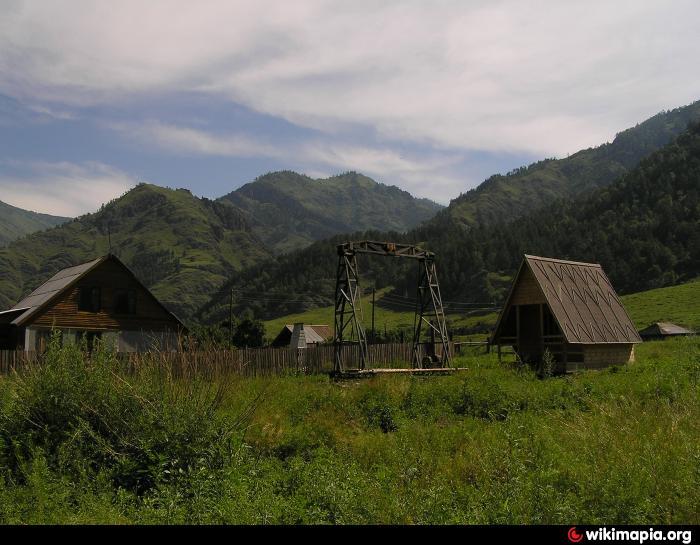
433 97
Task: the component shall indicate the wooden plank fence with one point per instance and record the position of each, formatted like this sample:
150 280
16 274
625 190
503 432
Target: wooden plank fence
253 361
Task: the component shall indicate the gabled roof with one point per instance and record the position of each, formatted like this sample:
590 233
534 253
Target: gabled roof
314 333
664 328
51 288
582 300
58 284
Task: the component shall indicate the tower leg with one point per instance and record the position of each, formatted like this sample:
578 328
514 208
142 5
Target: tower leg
348 311
429 310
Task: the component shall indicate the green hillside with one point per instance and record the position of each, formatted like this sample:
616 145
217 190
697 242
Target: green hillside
289 211
15 222
180 246
507 197
677 304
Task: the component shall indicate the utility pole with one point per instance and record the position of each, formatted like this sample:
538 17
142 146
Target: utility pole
230 320
373 301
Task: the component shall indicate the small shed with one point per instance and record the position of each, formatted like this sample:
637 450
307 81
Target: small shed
568 309
301 335
663 330
100 299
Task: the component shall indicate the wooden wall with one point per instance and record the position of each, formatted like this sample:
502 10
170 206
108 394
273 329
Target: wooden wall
527 291
603 355
108 276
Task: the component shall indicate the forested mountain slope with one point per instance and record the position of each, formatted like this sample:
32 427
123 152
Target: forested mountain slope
644 229
180 246
290 211
504 198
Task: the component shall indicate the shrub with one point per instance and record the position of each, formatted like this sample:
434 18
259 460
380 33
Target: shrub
84 415
376 407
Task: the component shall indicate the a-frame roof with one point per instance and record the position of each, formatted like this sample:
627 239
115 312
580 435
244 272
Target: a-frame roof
41 297
582 300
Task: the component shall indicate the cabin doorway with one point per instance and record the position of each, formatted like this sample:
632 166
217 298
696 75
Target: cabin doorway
530 334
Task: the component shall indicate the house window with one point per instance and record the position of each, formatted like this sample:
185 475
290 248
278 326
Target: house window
90 299
125 301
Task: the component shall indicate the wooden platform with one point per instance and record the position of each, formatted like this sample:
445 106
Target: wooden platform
367 373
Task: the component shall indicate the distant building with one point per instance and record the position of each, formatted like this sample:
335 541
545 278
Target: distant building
101 299
569 309
301 335
663 330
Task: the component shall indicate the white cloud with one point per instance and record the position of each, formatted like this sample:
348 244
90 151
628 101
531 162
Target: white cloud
543 77
185 140
63 189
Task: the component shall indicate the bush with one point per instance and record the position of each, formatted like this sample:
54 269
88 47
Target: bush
376 407
84 416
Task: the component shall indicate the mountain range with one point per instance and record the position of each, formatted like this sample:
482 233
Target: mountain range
642 227
289 211
506 197
273 239
184 247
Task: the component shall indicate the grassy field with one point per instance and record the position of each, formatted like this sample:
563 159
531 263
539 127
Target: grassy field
86 444
678 304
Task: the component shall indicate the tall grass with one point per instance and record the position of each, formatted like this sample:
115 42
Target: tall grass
491 445
81 419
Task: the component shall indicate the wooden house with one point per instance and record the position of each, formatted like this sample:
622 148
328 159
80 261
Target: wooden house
99 299
568 309
302 335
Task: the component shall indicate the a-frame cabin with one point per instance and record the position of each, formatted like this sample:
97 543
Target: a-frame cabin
569 310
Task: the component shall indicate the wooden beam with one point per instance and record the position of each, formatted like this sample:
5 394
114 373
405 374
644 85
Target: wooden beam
542 329
517 328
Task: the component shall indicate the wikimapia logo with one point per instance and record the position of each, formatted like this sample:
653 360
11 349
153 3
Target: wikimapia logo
573 535
637 536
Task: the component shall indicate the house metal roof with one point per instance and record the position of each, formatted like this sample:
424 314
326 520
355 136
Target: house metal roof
664 328
582 300
51 288
57 284
314 333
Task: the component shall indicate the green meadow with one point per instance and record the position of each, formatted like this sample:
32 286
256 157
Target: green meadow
83 442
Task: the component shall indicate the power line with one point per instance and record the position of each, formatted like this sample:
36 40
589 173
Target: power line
389 299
